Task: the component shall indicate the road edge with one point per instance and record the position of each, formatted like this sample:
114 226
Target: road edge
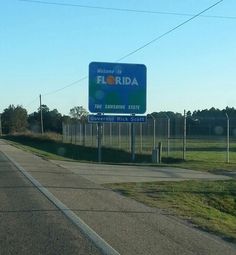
97 240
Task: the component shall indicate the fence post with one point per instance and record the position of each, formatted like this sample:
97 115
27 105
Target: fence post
71 134
67 132
84 132
129 136
75 134
63 131
154 131
80 134
141 137
227 150
119 135
91 134
110 134
168 134
103 134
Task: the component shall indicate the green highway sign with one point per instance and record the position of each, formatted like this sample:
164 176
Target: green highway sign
117 88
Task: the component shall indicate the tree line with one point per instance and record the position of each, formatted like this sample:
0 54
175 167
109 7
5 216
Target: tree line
15 119
205 122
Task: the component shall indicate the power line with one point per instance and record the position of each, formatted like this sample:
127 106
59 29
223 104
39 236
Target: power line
140 48
168 32
125 9
31 102
67 86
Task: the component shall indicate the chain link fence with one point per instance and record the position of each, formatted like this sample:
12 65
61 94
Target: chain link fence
212 139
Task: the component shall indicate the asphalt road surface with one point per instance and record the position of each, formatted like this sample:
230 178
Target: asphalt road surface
31 224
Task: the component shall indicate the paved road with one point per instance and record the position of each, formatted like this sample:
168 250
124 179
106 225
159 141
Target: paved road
128 226
100 173
30 224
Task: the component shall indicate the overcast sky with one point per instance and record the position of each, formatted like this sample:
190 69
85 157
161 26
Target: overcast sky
45 47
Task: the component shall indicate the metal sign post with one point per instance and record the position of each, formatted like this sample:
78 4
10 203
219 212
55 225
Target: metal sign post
99 140
132 142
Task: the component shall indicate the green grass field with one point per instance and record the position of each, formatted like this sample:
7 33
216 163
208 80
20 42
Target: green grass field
210 206
144 145
203 153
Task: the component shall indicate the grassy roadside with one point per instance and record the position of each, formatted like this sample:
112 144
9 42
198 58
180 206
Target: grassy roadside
53 149
206 165
210 206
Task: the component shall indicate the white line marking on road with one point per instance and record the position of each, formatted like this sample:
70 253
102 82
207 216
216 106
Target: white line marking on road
98 241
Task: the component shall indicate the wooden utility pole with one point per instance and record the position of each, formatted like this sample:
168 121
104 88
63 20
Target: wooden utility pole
184 137
41 113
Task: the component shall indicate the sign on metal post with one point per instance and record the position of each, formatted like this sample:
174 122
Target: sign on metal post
117 88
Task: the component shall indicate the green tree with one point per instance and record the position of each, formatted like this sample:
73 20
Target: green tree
14 119
52 120
79 113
